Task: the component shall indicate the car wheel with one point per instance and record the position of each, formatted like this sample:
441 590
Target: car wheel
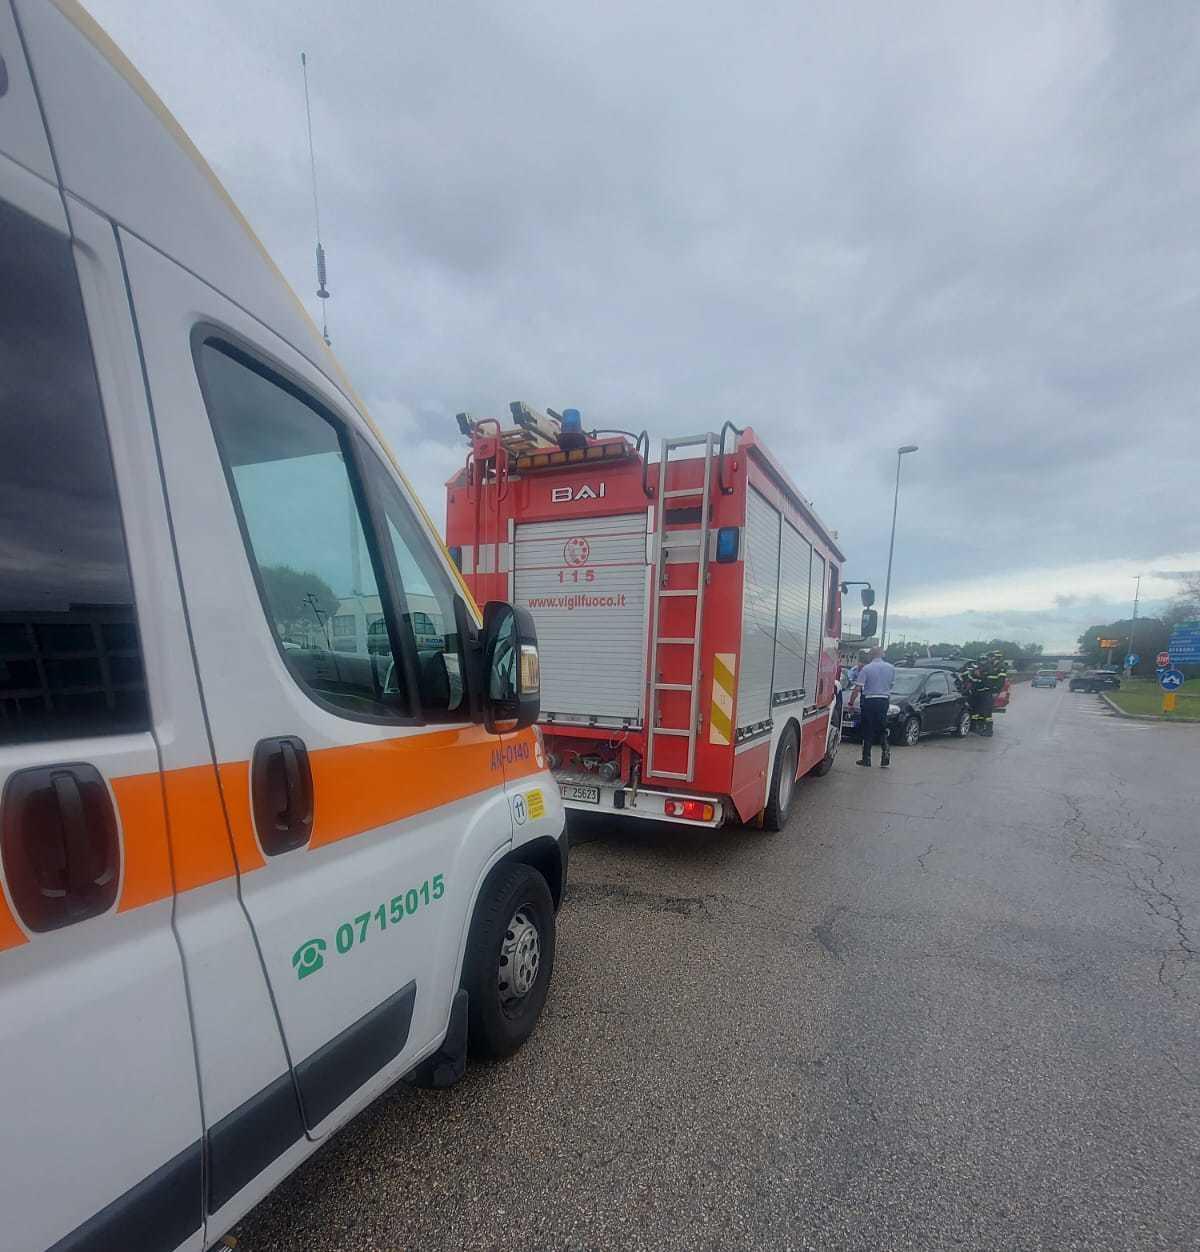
962 728
783 782
510 957
908 732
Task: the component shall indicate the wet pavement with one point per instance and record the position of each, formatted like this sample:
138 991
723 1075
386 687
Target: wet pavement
955 1004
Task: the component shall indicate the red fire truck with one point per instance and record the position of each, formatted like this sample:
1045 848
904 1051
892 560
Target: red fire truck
688 611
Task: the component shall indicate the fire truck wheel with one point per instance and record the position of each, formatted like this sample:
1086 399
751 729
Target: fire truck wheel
783 782
510 955
832 743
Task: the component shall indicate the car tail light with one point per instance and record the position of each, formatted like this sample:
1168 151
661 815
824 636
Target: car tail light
693 810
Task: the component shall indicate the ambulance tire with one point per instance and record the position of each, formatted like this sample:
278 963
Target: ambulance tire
783 788
512 931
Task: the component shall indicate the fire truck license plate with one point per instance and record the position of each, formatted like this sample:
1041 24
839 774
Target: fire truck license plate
570 791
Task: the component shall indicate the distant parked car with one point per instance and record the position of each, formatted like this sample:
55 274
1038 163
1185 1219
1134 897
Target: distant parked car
924 702
1095 680
1045 678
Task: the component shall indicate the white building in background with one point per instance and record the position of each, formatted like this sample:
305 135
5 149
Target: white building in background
350 628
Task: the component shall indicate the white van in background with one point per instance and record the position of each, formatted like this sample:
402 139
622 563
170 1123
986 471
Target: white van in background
245 883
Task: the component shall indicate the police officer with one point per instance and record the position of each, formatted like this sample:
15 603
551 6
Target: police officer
874 683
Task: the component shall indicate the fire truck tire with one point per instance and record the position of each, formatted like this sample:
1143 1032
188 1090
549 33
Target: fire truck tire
832 743
510 956
783 782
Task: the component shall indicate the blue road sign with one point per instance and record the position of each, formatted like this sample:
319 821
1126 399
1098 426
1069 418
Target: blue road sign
1131 660
1184 646
1171 679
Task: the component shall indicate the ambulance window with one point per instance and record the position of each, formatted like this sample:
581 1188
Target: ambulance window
70 659
429 598
286 462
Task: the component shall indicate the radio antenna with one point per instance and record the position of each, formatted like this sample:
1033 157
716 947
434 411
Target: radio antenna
322 292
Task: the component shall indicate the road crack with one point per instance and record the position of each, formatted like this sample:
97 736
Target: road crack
586 893
1152 884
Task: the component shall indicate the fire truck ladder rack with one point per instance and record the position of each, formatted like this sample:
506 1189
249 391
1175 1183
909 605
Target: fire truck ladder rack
663 544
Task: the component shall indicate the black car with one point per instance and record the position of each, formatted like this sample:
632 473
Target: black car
1095 680
924 702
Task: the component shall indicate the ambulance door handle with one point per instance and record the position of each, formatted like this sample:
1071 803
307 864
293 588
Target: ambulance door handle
60 846
79 852
291 773
282 790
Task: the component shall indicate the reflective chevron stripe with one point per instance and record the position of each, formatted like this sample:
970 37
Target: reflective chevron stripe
720 720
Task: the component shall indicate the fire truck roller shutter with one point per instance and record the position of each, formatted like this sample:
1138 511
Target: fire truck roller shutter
795 561
759 604
816 627
584 581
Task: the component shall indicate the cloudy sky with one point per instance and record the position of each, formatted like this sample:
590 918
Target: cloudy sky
973 227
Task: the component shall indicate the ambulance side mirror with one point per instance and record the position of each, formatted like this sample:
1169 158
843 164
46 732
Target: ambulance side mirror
512 676
870 620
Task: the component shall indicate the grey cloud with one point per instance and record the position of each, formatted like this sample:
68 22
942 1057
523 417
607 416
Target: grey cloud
968 226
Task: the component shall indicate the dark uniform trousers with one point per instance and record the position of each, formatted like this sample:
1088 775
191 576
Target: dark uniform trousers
983 700
874 723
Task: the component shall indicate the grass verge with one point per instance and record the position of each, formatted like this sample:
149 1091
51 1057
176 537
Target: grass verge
1144 697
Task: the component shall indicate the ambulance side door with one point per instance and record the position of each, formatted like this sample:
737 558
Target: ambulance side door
346 756
100 1124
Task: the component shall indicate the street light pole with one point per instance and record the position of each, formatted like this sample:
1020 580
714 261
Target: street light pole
1137 591
887 589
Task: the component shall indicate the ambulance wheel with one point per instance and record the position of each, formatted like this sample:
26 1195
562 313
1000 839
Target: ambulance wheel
783 782
832 743
510 956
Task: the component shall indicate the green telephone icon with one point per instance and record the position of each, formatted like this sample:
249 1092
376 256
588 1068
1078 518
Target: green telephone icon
307 957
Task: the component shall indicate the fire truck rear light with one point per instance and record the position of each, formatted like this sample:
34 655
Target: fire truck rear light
693 810
727 544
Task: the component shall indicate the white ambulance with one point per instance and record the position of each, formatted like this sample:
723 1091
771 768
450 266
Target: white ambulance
245 883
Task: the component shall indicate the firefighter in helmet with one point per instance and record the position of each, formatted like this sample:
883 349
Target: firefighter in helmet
983 680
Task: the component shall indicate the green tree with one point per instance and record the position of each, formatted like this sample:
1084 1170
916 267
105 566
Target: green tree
1186 605
1150 636
898 651
300 600
1011 649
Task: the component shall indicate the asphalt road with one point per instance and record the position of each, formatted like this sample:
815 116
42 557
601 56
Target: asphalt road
953 1005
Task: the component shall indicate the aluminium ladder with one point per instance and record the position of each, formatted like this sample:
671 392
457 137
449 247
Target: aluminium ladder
663 545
